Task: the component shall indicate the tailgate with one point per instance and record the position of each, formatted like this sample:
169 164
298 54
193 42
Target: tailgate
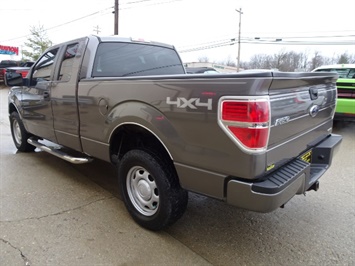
302 110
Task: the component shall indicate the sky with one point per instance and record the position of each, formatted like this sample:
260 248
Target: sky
197 28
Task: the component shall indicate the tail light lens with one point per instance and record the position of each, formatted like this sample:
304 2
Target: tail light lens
246 121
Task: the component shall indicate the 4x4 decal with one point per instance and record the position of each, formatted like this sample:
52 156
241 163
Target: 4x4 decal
192 103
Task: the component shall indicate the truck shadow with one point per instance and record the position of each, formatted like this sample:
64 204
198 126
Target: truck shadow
102 173
215 230
343 126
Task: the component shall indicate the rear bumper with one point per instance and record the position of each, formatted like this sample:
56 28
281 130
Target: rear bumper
296 177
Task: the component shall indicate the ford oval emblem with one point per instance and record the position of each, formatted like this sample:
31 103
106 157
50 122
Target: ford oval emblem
313 111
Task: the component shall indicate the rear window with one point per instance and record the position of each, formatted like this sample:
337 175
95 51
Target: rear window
9 63
344 73
131 59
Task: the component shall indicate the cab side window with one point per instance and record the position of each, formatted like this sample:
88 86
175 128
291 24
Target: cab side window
133 59
45 67
67 62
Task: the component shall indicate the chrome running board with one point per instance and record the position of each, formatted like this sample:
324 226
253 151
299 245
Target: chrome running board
59 153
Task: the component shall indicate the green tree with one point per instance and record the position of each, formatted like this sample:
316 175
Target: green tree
344 58
37 43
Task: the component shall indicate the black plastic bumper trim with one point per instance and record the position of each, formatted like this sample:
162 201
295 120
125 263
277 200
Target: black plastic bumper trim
322 155
280 179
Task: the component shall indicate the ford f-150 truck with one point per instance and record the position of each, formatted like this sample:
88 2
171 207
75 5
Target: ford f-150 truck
253 140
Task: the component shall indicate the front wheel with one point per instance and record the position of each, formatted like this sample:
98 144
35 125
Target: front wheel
150 190
19 134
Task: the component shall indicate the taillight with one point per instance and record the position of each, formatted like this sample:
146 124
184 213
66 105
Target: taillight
24 74
246 121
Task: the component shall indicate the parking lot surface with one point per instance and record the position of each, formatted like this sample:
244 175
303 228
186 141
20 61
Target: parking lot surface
55 213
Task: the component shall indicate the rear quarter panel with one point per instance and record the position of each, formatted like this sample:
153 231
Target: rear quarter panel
190 133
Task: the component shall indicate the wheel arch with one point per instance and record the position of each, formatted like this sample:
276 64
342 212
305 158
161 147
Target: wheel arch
13 108
132 135
136 124
14 100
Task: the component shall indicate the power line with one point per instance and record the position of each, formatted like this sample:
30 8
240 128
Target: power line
300 32
93 14
153 4
60 25
186 47
205 47
345 42
74 20
304 37
232 42
264 39
135 2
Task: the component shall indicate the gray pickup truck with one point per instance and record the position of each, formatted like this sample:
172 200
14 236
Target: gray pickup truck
253 140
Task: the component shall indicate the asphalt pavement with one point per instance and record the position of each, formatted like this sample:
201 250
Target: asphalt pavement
56 213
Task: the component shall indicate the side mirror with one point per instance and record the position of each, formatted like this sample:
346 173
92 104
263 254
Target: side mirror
13 79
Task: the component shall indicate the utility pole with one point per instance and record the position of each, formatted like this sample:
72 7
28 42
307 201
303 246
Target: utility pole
240 22
116 17
97 29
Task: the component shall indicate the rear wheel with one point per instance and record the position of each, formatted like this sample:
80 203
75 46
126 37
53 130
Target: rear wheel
19 134
150 190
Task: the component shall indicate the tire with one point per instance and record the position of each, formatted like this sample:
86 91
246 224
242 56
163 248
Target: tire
19 134
150 190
